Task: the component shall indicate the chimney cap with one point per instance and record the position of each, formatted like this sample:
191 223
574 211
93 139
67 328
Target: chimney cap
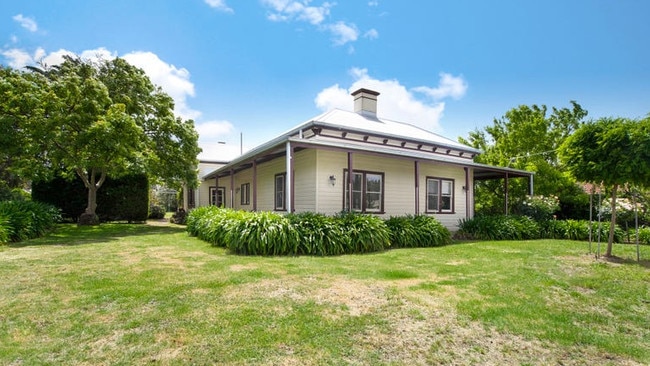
364 90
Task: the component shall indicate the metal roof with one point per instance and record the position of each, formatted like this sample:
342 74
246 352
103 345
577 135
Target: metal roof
356 132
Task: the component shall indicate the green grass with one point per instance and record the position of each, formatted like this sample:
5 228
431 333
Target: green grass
136 294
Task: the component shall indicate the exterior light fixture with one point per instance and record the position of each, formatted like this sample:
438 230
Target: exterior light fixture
332 180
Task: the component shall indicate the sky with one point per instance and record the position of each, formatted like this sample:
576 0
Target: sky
247 71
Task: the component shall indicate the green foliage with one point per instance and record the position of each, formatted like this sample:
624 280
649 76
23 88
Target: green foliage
319 234
156 212
644 235
268 233
5 229
179 217
122 199
93 119
263 233
368 233
417 232
539 208
22 220
514 227
499 227
526 137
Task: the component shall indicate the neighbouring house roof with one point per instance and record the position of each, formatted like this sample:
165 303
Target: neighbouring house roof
365 132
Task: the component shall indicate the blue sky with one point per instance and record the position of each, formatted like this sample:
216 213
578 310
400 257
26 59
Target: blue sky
260 67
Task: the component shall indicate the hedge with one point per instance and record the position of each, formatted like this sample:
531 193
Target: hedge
268 233
513 227
118 199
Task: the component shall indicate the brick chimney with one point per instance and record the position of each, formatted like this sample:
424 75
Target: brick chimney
365 102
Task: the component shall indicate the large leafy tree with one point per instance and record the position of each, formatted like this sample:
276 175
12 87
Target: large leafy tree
611 152
92 119
527 137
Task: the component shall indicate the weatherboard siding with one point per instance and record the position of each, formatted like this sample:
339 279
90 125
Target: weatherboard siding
457 174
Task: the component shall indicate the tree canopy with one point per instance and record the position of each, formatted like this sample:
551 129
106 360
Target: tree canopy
527 137
94 118
611 152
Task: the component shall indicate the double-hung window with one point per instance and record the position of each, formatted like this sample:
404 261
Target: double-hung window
216 196
367 191
245 192
280 192
440 195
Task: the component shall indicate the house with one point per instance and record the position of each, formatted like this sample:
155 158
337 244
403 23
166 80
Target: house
205 194
358 161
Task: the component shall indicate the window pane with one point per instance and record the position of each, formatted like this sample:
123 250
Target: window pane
279 192
432 203
356 201
432 186
446 203
356 181
373 183
446 187
373 201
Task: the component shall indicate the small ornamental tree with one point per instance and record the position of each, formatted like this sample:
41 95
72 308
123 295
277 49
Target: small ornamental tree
94 119
612 152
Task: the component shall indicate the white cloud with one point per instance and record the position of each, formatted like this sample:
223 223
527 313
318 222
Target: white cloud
395 101
18 58
219 5
450 86
373 3
371 34
214 130
343 33
285 10
173 81
291 10
25 22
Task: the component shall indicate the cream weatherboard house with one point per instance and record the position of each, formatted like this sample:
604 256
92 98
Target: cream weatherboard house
396 169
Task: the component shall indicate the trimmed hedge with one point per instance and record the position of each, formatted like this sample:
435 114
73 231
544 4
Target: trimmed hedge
513 227
120 199
268 233
22 220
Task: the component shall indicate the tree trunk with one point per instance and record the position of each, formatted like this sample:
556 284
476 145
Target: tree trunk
612 225
89 217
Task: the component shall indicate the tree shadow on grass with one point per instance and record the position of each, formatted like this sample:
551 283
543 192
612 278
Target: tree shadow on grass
71 234
618 260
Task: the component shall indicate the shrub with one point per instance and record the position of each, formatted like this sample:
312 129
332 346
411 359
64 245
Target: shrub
262 233
124 198
319 234
268 233
539 208
5 229
417 231
27 219
156 212
499 227
644 235
179 217
367 233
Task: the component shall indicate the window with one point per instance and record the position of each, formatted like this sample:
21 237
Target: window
367 191
280 190
440 195
245 193
191 202
217 195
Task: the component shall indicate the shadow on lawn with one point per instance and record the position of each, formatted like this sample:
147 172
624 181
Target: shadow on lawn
618 260
71 234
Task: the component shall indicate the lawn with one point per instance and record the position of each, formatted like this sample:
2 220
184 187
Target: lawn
144 294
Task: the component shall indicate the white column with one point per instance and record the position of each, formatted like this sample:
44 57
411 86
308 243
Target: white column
288 177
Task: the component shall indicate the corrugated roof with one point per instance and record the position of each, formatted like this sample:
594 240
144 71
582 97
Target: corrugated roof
368 124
